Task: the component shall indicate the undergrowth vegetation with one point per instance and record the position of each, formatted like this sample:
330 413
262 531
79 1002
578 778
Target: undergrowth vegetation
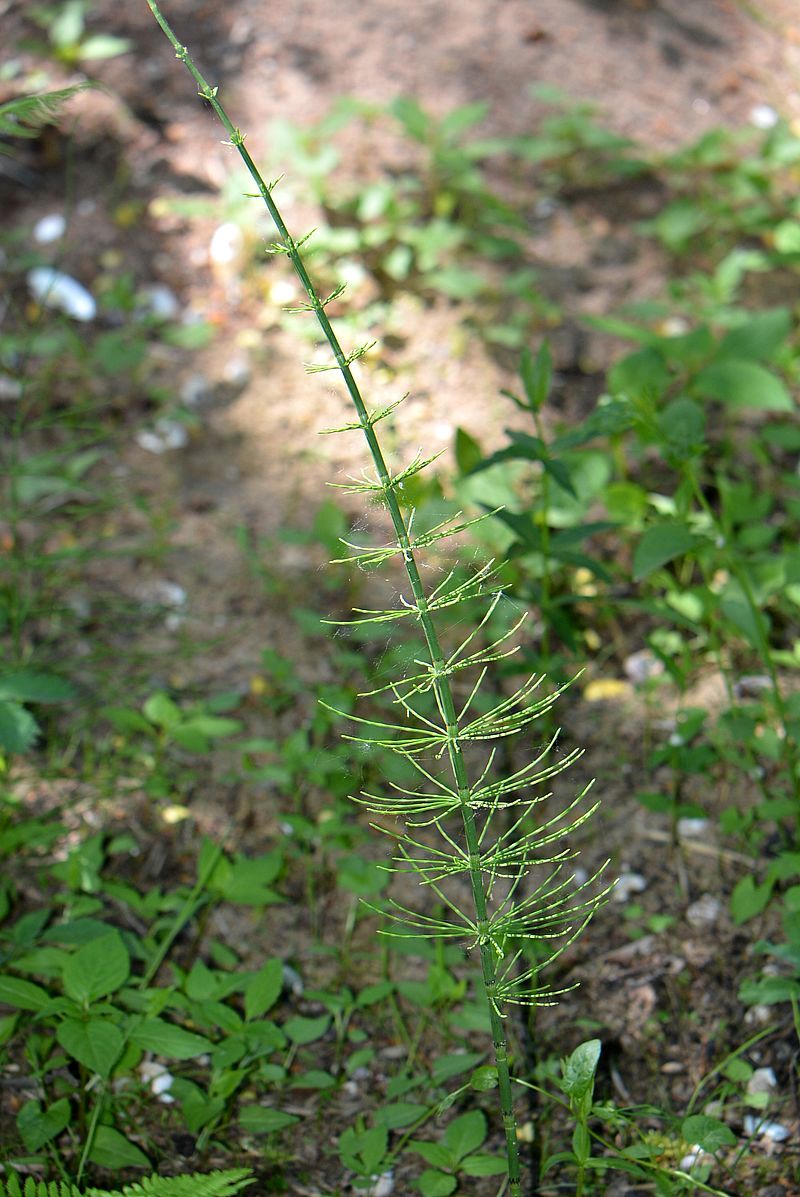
638 559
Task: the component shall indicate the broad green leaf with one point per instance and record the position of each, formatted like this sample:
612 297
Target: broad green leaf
260 1120
483 1164
112 1150
18 728
98 968
364 1151
37 1126
769 991
640 373
103 45
22 995
742 383
399 1114
453 1064
27 685
468 452
708 1133
786 236
578 1070
433 1183
466 1133
306 1030
758 338
660 545
263 989
162 711
97 1044
749 899
164 1039
484 1078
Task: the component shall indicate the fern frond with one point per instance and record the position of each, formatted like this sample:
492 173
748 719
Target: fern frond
199 1184
24 116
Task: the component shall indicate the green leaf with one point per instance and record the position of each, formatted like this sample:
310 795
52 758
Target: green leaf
18 728
97 1044
433 1183
483 1164
263 990
103 45
466 1133
742 383
20 117
161 1037
98 968
749 899
37 1126
640 373
306 1030
758 338
484 1078
537 375
786 235
363 1151
578 1070
660 545
468 452
260 1120
399 1114
162 711
769 991
26 685
708 1133
22 995
112 1150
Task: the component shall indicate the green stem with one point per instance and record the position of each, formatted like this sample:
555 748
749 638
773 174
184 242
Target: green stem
441 686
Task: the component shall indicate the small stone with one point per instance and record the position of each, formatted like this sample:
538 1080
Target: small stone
293 981
642 666
53 289
49 228
691 829
704 913
763 116
158 301
237 371
383 1185
227 245
10 388
628 884
695 1157
165 436
196 391
776 1132
763 1080
751 685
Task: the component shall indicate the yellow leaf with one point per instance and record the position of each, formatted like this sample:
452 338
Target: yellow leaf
603 689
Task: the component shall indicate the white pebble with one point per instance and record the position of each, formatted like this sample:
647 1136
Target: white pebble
694 1157
753 1125
282 291
703 913
53 289
227 245
763 116
383 1186
49 228
10 388
627 884
157 300
763 1080
167 435
641 666
691 829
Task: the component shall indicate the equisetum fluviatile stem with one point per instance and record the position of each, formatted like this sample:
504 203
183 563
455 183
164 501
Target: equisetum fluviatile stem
475 800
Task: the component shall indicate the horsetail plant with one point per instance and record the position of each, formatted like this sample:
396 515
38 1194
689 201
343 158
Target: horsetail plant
488 830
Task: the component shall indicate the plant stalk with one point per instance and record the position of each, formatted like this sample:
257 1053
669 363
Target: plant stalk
441 686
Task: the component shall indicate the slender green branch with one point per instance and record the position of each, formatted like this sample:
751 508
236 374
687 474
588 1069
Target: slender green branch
496 924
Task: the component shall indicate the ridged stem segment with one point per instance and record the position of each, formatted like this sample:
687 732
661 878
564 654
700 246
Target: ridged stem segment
441 686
